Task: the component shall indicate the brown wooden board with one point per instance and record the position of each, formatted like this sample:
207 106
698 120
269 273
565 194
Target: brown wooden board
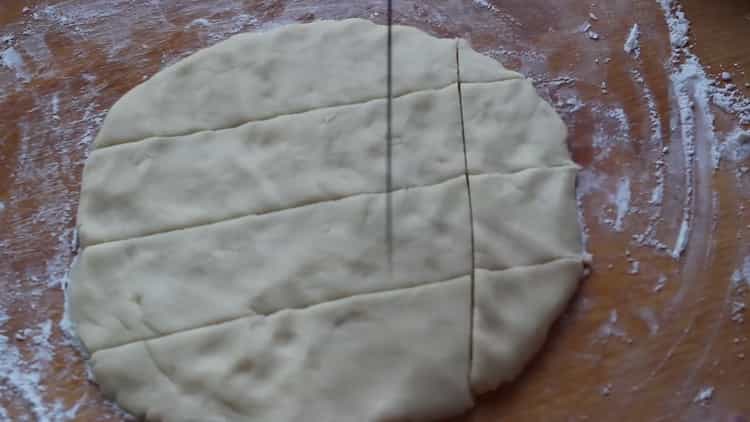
647 337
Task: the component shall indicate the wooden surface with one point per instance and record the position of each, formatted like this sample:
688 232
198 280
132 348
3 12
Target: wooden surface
624 350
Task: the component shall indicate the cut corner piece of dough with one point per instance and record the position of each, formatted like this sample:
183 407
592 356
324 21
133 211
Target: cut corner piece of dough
255 76
476 67
509 128
513 312
538 219
397 355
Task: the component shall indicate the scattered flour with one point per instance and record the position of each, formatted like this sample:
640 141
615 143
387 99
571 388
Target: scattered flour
611 131
486 4
635 267
11 59
657 194
691 72
648 316
655 143
704 395
677 23
660 283
622 202
737 278
198 22
22 376
610 328
682 239
631 45
737 145
737 311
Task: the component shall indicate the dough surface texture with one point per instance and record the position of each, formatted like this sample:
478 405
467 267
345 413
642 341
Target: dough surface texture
232 219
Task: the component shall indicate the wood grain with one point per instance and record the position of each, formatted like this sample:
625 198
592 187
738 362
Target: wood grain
622 351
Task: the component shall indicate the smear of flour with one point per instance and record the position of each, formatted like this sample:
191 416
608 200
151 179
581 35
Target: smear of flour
611 131
695 92
48 138
737 145
655 143
485 4
682 238
660 283
611 328
648 316
12 60
631 45
22 376
622 202
199 22
677 23
689 91
691 74
704 394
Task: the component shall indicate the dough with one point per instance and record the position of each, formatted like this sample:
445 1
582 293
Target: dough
232 219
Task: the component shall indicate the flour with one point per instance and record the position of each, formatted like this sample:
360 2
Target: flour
611 131
648 316
677 23
660 283
682 239
657 194
737 145
198 22
704 394
610 328
13 61
631 45
655 143
22 377
737 278
622 202
690 93
737 311
486 4
691 79
43 161
635 268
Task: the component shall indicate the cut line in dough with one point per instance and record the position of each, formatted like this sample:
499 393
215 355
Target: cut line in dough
292 114
471 211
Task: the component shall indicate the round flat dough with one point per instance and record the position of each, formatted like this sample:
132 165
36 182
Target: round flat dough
232 216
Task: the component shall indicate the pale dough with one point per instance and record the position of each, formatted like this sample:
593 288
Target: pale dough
233 222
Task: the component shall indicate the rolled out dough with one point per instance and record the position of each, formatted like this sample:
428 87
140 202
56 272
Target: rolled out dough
232 218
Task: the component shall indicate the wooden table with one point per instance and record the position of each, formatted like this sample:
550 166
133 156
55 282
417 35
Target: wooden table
645 335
